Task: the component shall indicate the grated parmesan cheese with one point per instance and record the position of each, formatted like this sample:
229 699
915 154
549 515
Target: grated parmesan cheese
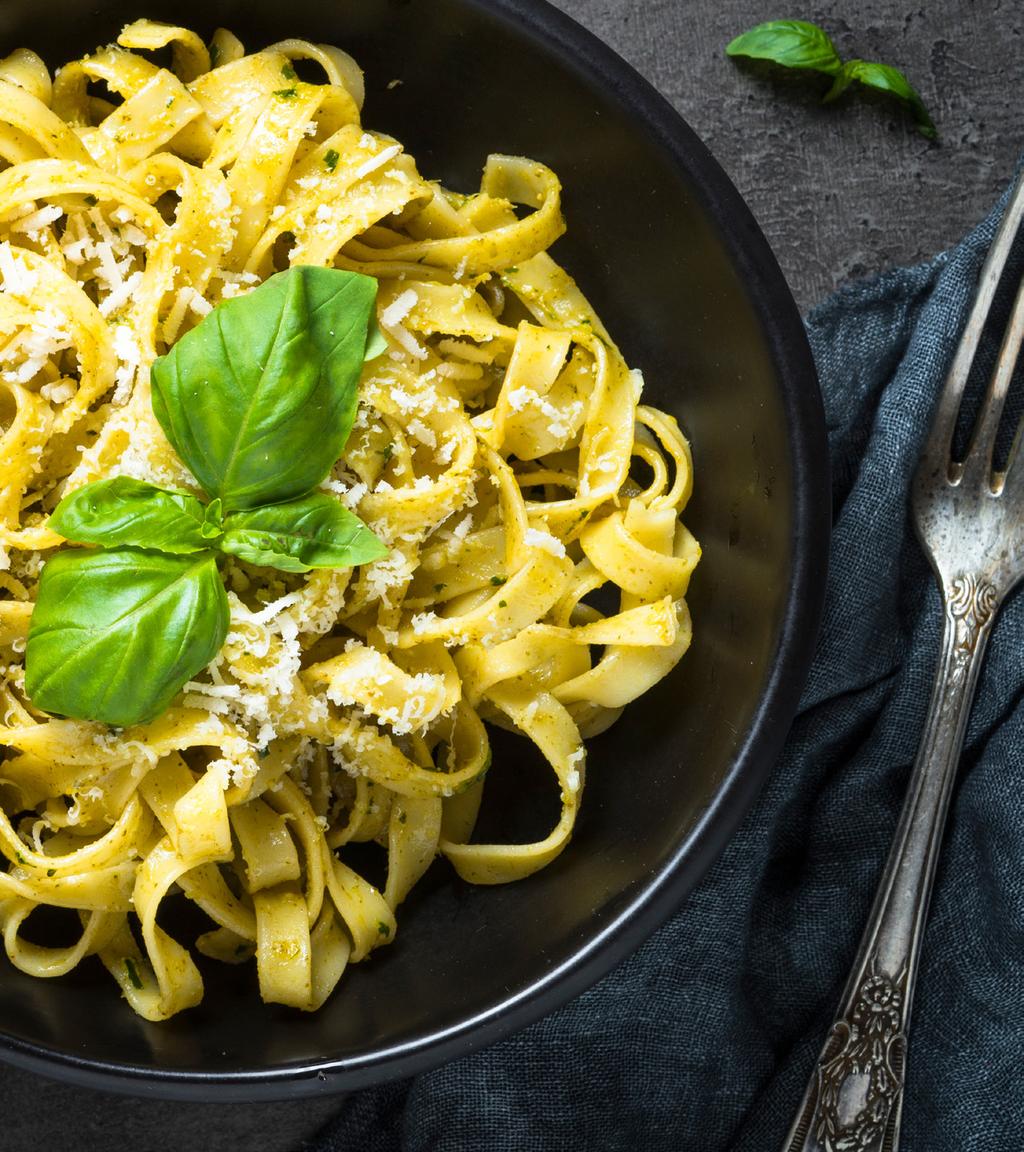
399 308
129 357
422 433
377 161
116 299
33 348
16 277
519 398
59 393
573 779
36 221
423 622
535 538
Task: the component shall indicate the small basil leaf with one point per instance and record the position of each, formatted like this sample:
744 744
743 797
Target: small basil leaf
791 43
258 399
115 634
313 532
887 79
375 342
128 511
213 521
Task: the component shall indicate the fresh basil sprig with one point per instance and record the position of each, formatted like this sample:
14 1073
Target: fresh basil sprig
801 45
258 400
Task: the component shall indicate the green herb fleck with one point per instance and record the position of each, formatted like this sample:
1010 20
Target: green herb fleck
133 972
331 158
18 856
512 269
170 101
387 452
51 872
497 581
502 603
800 45
383 929
91 200
288 72
263 752
440 587
287 93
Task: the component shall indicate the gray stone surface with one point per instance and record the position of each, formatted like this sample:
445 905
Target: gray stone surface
848 189
840 192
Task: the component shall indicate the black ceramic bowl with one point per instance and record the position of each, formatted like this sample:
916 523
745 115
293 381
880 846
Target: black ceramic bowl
672 259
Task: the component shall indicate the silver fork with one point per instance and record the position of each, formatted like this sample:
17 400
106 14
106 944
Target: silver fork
970 520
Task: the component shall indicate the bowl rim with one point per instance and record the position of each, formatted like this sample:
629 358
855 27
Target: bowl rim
583 52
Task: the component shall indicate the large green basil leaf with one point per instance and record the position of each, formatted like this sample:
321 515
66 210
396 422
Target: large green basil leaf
259 398
791 43
313 532
128 511
115 634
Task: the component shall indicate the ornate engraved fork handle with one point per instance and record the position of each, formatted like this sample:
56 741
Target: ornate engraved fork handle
854 1099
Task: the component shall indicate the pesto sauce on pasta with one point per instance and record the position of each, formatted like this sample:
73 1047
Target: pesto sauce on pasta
491 452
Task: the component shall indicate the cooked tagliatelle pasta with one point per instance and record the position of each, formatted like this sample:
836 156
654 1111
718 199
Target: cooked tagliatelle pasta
500 451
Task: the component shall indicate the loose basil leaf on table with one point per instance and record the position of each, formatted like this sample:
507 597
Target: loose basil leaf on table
799 44
128 511
884 78
115 635
259 398
312 532
791 43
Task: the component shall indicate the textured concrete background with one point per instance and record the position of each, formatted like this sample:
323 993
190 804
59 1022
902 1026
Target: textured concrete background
847 189
840 191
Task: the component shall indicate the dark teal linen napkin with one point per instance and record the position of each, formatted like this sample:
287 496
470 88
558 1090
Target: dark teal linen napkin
704 1038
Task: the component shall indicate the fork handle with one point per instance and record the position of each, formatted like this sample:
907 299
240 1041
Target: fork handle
854 1099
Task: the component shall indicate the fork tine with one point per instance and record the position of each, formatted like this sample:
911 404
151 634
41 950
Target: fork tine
983 440
940 438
